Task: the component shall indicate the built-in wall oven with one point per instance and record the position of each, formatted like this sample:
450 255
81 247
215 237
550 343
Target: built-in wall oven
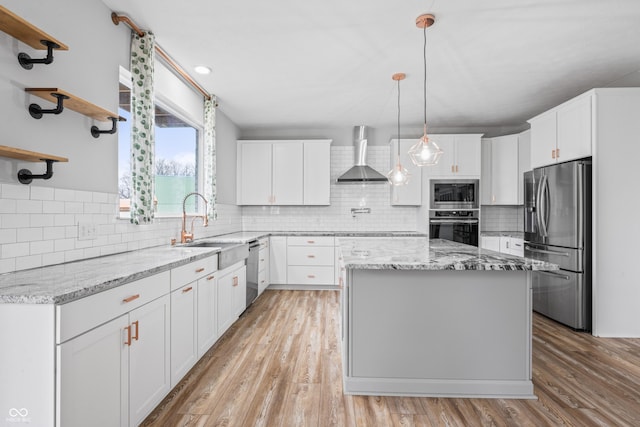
454 194
459 226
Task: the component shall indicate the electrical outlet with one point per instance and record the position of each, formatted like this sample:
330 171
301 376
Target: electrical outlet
87 231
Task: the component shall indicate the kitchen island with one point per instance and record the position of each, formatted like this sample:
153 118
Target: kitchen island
435 318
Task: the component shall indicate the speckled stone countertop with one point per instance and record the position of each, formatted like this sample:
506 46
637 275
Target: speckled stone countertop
62 283
411 253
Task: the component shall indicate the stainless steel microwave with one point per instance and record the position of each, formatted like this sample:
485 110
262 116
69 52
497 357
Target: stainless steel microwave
455 194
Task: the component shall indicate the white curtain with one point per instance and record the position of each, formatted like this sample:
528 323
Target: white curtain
210 155
142 128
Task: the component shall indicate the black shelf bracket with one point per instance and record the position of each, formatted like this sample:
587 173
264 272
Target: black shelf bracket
36 111
95 132
25 176
27 62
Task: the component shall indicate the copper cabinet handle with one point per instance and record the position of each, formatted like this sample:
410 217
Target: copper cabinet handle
311 256
200 270
128 341
235 280
553 154
211 277
311 276
453 168
184 291
261 259
135 336
131 298
456 168
311 241
557 153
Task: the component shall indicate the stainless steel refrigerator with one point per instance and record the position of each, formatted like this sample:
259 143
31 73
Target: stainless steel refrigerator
557 228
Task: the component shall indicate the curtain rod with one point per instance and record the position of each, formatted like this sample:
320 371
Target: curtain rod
160 51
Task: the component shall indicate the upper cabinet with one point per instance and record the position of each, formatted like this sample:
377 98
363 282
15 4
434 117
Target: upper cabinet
504 161
563 133
461 157
409 194
283 172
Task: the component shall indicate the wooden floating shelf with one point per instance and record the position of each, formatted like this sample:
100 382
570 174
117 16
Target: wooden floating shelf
28 156
24 31
74 103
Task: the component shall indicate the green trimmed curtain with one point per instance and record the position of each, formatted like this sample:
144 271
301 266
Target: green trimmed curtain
142 128
210 155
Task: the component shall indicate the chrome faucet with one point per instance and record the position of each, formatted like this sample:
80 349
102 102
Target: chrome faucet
188 236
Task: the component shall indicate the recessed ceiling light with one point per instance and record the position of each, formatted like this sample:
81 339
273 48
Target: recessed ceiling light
201 69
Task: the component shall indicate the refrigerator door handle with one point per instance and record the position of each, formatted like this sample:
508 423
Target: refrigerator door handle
543 211
552 273
542 251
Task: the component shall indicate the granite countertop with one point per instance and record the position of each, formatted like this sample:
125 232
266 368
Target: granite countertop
516 234
62 283
410 253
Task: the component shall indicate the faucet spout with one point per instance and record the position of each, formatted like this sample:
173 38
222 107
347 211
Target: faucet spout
188 236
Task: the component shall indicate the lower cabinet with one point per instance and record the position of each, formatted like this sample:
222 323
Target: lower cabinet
184 340
115 374
504 244
232 295
303 260
207 312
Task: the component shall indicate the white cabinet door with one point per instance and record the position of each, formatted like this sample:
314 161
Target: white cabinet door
184 340
485 176
504 170
543 139
317 172
574 129
278 260
467 155
263 266
287 173
239 284
254 173
524 161
225 301
409 194
93 378
207 313
491 243
446 164
149 369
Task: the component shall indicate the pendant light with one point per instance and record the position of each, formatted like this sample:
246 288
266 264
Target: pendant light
425 152
399 175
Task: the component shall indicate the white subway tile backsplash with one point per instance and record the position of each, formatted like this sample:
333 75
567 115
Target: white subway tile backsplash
64 244
52 206
31 261
63 219
15 250
8 206
7 265
41 220
8 235
29 234
42 193
14 191
14 220
73 207
52 258
41 247
64 195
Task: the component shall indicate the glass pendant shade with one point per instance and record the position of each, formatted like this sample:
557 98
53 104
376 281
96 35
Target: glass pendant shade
425 152
399 175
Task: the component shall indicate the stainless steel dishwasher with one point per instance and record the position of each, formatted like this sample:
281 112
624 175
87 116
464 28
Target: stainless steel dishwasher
253 267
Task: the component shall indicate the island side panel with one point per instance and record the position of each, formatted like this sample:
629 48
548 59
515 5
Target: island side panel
27 365
440 333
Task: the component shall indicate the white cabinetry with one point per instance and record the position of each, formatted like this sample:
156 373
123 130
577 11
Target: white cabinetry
207 313
505 244
491 243
409 194
263 265
278 260
310 260
524 161
283 172
563 133
124 361
232 295
461 157
500 175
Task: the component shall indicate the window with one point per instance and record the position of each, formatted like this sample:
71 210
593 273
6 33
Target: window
176 159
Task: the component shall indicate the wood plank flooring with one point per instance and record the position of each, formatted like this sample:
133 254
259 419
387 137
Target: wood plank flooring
280 365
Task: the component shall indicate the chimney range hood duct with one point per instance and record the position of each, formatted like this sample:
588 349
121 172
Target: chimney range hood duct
361 172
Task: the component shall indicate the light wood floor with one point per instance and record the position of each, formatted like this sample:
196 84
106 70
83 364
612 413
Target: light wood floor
280 365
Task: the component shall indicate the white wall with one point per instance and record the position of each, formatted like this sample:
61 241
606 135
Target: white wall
89 70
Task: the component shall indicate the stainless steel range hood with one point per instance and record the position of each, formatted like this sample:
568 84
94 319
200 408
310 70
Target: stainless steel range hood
361 172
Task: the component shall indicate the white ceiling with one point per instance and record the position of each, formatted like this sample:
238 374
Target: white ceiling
328 63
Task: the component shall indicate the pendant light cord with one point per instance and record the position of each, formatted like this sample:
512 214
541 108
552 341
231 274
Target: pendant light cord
424 56
398 120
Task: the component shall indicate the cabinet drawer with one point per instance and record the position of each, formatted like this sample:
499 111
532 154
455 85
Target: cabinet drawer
188 273
310 240
262 281
310 255
316 275
84 314
263 258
